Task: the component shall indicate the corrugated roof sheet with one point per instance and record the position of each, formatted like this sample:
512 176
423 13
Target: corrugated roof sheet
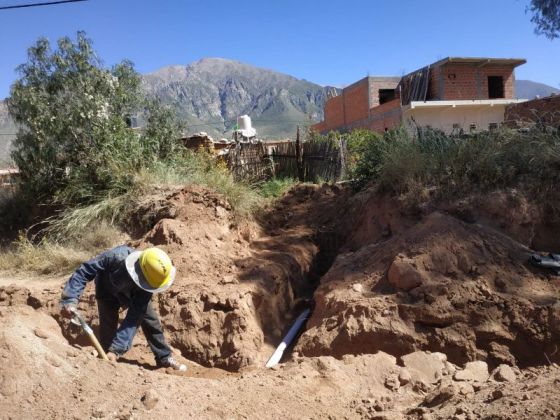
481 61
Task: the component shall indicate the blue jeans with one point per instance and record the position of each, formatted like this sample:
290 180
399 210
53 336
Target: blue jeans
151 326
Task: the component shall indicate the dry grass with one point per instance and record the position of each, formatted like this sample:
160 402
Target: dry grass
58 258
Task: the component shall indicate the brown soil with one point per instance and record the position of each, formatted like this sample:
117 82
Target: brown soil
391 287
432 282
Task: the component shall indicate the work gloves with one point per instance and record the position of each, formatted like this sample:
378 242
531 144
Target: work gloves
67 311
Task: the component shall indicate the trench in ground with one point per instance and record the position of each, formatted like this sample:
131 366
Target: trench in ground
328 243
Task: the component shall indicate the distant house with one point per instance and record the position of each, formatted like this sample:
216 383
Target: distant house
8 178
454 94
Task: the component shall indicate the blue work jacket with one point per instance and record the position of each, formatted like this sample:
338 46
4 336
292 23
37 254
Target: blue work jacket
112 282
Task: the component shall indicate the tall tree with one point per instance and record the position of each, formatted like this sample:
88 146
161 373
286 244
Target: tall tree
74 141
546 17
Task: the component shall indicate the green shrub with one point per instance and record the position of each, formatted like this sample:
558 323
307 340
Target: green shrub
74 143
456 166
276 187
82 167
185 168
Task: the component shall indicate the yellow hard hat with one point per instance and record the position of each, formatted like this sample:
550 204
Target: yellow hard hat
151 269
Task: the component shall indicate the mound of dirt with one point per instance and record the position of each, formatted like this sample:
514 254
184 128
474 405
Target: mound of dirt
432 282
426 316
237 282
43 376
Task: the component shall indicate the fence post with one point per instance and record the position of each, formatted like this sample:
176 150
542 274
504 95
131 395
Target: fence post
342 158
299 157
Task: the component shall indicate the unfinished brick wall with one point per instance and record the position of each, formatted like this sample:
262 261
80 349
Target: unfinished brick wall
435 87
543 112
385 116
467 81
356 101
351 108
377 83
508 75
358 105
334 113
319 127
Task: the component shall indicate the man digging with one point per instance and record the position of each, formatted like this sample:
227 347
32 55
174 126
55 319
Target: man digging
125 278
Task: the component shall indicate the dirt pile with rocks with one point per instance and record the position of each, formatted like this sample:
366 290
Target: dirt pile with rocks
238 281
419 313
511 213
429 281
43 376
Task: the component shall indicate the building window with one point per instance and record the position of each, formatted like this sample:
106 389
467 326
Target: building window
495 87
492 126
386 95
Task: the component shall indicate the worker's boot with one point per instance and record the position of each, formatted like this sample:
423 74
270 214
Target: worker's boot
170 362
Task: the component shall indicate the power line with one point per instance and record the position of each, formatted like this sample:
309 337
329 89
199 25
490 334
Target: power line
47 3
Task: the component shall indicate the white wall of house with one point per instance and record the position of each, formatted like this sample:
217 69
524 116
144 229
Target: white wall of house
452 116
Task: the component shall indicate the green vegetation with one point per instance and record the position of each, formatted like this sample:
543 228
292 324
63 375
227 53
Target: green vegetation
276 187
546 17
76 152
83 169
75 144
456 166
185 168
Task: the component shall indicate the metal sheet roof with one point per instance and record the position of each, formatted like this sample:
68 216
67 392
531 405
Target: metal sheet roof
481 61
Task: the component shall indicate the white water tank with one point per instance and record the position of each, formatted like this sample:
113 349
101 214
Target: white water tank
244 122
245 127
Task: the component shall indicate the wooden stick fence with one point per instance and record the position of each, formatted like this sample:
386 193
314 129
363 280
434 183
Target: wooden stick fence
249 162
311 161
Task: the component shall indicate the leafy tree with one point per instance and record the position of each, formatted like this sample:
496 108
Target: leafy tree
74 143
159 139
546 17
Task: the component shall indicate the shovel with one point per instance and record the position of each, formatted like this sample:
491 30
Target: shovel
78 319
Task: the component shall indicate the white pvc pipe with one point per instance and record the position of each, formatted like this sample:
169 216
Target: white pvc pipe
277 355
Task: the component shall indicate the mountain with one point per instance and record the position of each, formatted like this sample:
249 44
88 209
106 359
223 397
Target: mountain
211 93
526 89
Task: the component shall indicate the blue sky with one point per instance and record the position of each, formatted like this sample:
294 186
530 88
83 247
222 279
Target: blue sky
326 42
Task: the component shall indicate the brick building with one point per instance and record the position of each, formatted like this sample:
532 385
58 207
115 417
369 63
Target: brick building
453 94
543 112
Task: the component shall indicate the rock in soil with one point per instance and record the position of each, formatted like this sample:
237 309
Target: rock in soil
504 373
426 367
403 275
474 372
150 399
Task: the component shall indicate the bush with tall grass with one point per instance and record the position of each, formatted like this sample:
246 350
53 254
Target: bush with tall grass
81 165
455 166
